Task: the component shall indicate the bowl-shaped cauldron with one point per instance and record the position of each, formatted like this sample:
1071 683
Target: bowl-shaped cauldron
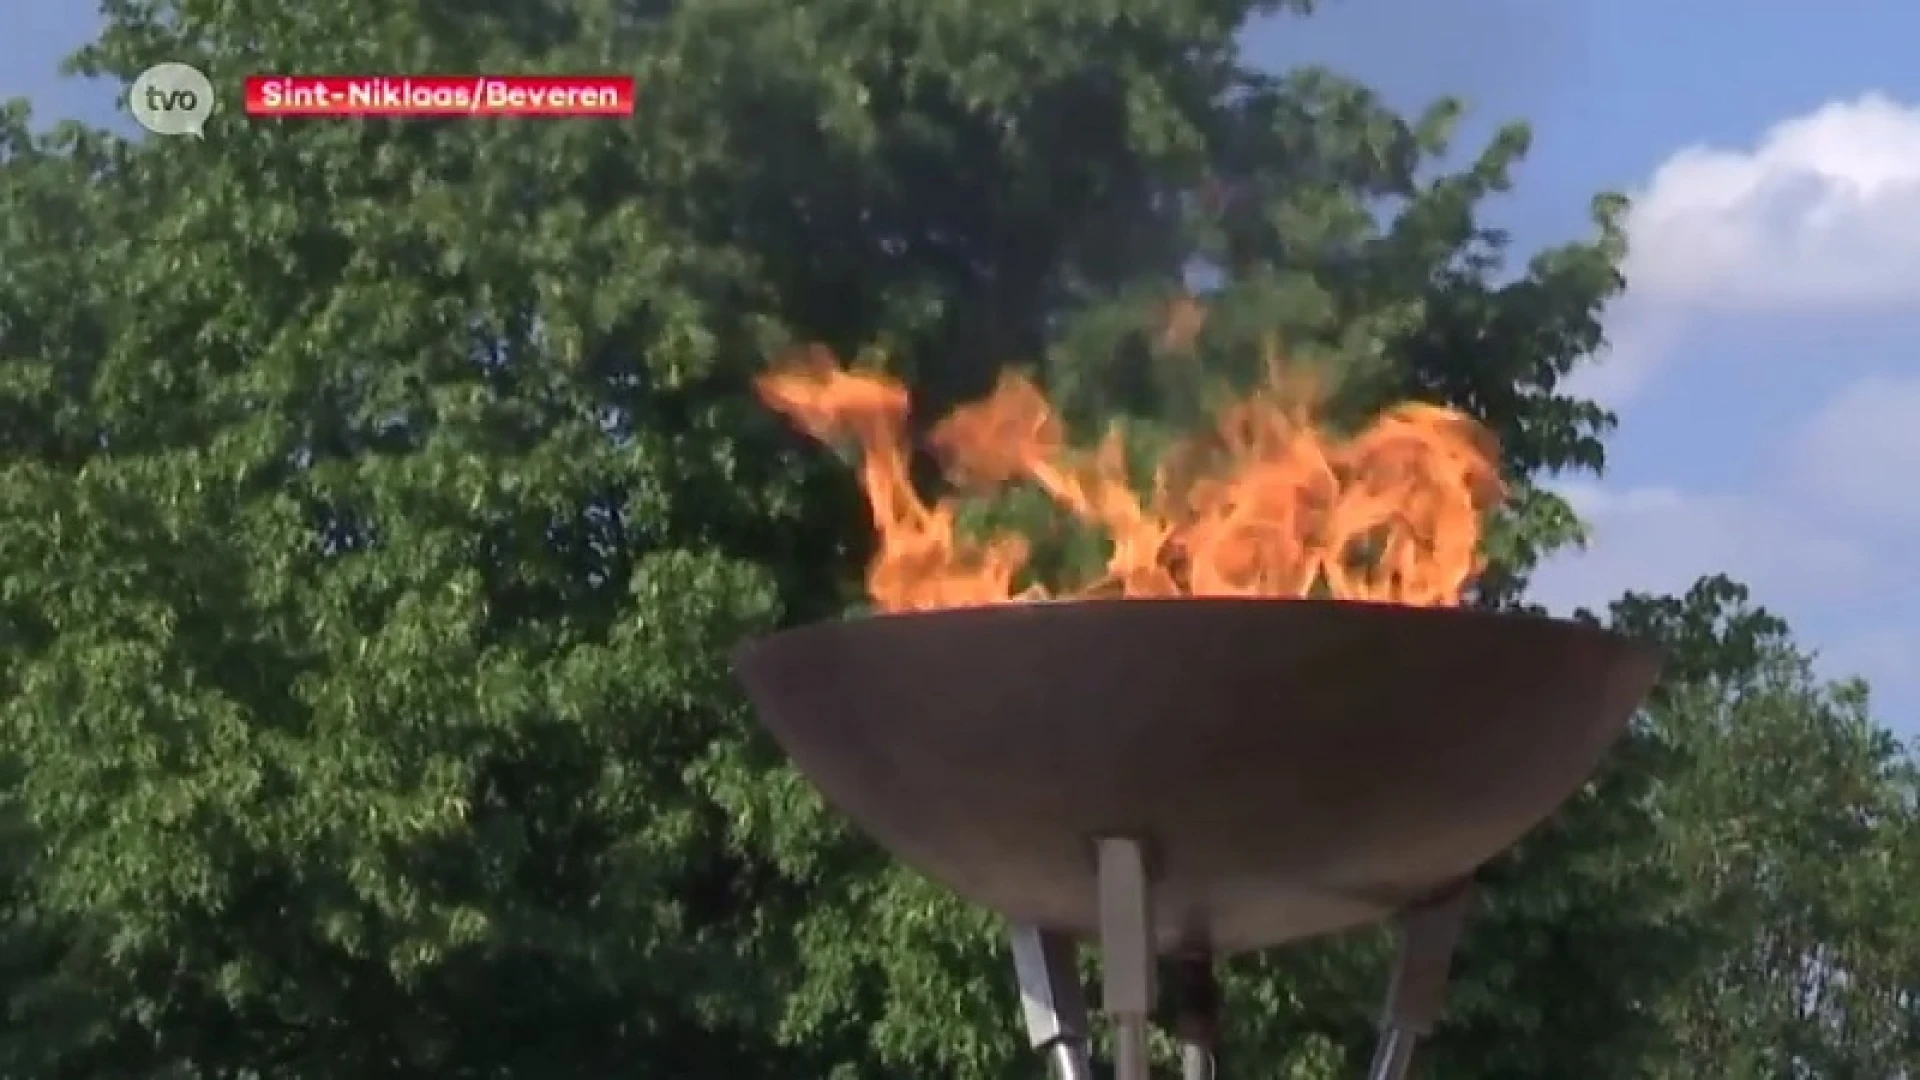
1293 767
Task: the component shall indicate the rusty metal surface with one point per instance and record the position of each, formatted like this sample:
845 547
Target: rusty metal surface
1296 767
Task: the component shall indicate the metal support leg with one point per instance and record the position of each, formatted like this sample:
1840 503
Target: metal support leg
1052 1000
1127 953
1197 1015
1428 935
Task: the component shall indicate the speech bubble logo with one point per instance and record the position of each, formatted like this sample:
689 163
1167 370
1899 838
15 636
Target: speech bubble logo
172 99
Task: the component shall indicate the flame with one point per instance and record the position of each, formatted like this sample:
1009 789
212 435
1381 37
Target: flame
1266 504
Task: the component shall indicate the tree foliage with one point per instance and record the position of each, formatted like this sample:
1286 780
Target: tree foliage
1794 817
382 501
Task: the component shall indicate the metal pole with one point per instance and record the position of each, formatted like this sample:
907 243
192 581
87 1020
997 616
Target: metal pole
1393 1056
1197 1015
1052 1001
1428 935
1127 952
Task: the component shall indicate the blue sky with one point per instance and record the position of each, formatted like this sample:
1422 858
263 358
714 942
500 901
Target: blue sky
1764 362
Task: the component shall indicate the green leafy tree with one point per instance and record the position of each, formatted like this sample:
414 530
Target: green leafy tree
382 502
1792 814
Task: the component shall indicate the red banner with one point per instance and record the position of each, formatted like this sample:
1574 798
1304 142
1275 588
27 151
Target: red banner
439 95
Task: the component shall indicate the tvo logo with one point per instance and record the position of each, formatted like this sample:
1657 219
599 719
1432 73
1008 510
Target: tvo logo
172 99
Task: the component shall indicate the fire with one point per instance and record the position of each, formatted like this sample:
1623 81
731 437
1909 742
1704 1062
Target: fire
1266 504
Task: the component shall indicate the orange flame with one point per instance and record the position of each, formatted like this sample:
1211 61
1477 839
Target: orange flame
1266 505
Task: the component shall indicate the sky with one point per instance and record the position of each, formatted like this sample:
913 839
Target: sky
1765 360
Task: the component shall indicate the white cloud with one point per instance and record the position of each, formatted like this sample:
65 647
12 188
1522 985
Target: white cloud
1861 450
1801 561
1824 212
1654 539
1835 524
1820 215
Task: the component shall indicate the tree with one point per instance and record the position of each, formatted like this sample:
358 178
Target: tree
1793 815
383 500
382 505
